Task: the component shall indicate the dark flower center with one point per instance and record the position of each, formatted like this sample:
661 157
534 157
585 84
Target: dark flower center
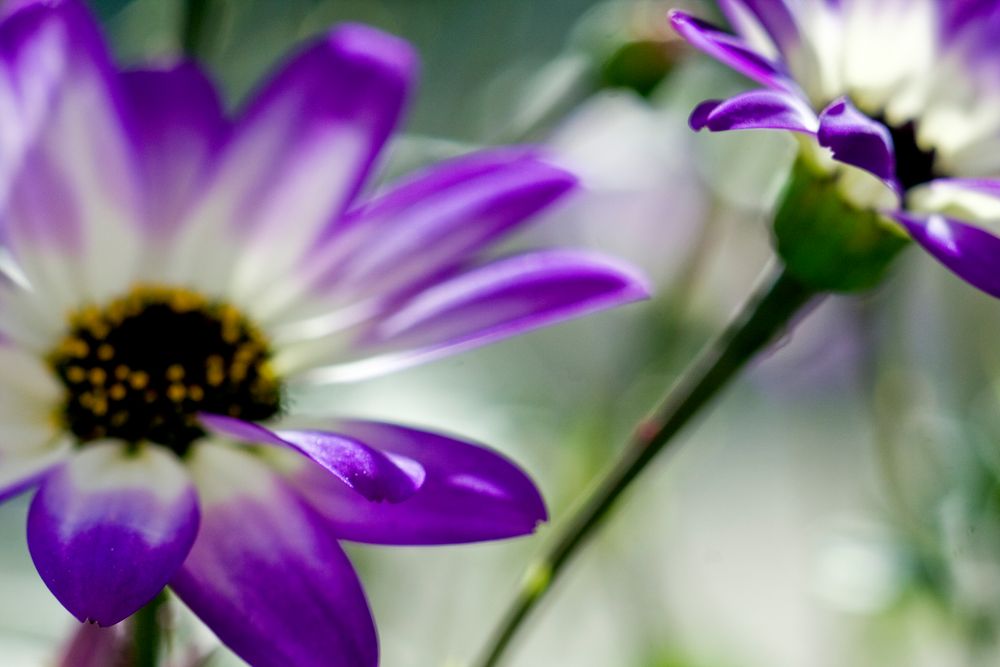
144 366
914 166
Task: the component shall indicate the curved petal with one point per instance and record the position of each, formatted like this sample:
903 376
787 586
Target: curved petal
109 529
369 472
72 201
266 574
492 302
299 153
972 199
180 127
857 140
430 223
756 110
20 472
971 253
470 494
730 50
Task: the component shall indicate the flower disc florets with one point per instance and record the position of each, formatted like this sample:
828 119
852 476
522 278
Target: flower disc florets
145 365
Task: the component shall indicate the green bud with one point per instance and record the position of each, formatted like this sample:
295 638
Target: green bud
827 243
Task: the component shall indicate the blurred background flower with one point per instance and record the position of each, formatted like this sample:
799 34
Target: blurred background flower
842 504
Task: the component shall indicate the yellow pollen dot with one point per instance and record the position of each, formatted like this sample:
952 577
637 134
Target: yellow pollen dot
121 372
176 392
138 380
75 347
105 352
215 376
97 376
117 392
100 407
175 373
86 399
76 374
196 393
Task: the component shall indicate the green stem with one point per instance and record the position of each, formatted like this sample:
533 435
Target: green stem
764 317
193 27
147 633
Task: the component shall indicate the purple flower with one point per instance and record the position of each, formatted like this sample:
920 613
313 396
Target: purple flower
904 91
174 277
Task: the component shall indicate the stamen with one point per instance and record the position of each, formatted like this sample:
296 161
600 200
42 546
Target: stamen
143 366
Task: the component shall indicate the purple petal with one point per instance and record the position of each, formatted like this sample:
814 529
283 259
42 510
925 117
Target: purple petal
730 50
970 252
306 144
180 126
20 472
108 530
68 168
470 494
492 302
857 140
773 16
437 219
369 472
266 574
756 110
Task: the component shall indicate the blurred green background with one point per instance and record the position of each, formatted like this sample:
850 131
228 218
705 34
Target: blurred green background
840 507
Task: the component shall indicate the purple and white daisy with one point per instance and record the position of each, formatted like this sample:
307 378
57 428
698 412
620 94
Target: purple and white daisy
174 276
905 91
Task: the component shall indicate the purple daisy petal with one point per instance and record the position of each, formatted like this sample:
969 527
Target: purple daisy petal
68 166
109 529
773 16
373 474
730 50
857 140
470 493
180 127
438 219
22 471
306 144
760 109
498 300
973 254
266 574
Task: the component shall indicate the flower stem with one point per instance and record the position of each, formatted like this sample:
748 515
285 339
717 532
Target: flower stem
147 633
764 317
193 27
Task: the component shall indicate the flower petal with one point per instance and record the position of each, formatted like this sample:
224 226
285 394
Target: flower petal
760 109
373 474
973 254
73 193
180 128
857 140
470 494
20 472
730 50
108 530
492 302
300 152
266 574
430 223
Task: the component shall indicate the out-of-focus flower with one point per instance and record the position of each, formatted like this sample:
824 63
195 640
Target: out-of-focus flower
176 277
91 646
904 91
